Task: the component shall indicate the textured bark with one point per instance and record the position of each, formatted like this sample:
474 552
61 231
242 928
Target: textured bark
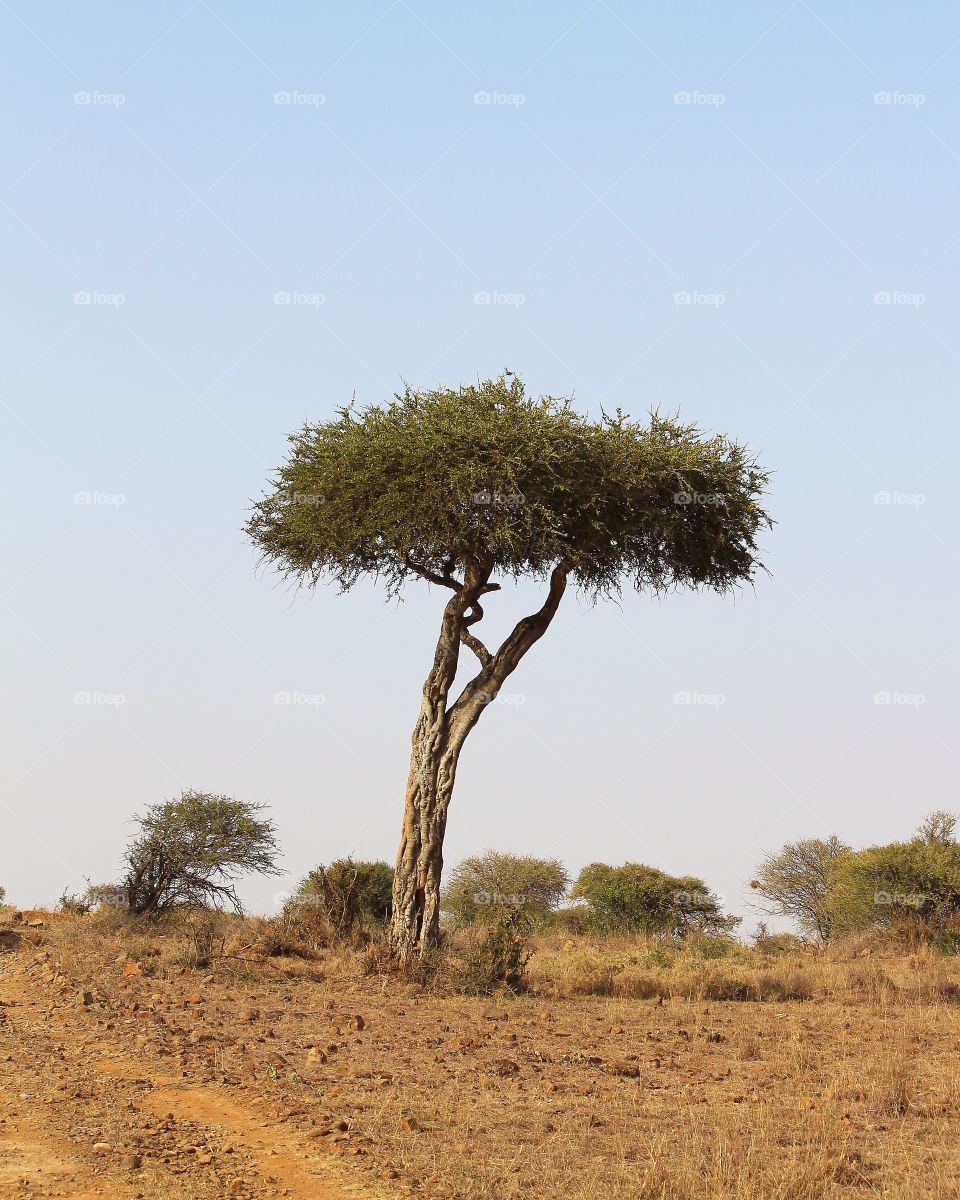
438 738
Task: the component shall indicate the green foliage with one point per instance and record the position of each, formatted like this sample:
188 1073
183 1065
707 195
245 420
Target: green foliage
914 883
189 852
497 955
481 888
641 899
345 895
796 883
436 480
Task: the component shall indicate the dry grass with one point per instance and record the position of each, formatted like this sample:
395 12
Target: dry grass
629 1069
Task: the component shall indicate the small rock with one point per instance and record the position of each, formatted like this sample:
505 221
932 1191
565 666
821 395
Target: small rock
132 1162
315 1056
102 1148
87 998
359 1022
411 1125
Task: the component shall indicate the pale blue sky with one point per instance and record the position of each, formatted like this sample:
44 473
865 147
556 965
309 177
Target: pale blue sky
157 200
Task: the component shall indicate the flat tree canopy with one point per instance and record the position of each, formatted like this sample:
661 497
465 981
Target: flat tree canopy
438 480
470 486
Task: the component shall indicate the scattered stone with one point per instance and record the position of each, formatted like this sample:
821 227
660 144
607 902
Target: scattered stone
102 1148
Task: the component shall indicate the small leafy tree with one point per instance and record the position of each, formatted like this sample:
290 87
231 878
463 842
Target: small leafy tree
913 885
796 883
191 850
938 828
464 487
482 887
346 895
641 899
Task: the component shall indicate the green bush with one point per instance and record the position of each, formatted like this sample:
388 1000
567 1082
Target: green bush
640 899
497 956
345 896
484 888
908 885
190 851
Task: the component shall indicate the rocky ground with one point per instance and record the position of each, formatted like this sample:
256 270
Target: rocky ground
124 1075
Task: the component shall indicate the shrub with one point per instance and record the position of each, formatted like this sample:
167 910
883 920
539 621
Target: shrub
497 956
343 897
908 887
482 887
641 899
189 852
796 883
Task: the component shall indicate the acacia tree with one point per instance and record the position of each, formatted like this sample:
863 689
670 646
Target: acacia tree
470 486
189 851
796 882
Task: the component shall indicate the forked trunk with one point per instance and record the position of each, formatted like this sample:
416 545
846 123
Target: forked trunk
437 740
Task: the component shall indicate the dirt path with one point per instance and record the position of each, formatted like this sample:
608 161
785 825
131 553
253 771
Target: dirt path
85 1112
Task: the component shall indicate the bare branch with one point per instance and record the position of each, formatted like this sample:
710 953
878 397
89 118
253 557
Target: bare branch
444 580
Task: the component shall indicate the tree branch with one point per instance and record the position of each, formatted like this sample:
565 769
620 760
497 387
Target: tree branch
444 580
470 640
483 688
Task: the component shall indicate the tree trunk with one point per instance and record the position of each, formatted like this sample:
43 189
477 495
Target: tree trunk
437 740
415 923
